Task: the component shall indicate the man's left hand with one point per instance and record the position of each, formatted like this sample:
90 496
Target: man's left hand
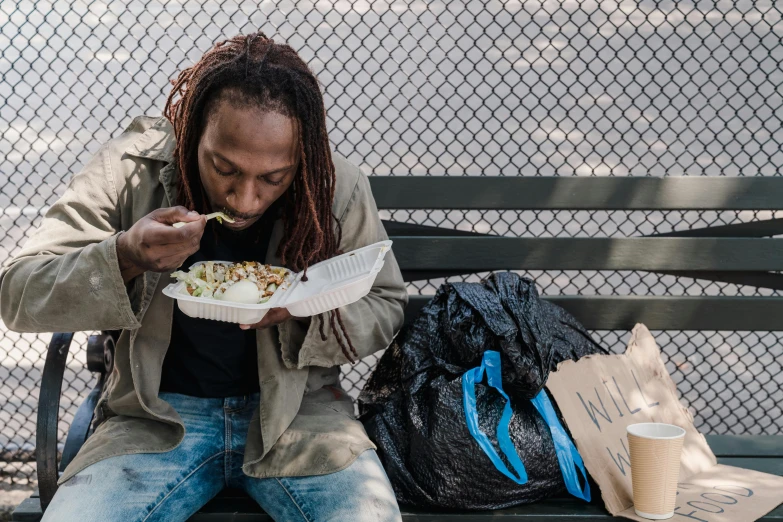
272 317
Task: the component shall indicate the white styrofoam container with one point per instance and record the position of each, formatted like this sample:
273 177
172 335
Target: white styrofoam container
330 284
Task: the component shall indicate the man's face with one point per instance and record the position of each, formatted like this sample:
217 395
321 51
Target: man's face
247 158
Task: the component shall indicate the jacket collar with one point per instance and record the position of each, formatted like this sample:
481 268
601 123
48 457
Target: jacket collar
157 142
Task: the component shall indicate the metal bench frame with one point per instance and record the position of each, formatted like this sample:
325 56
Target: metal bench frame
742 253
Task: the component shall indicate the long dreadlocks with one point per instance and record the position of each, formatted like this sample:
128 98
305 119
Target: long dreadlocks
255 71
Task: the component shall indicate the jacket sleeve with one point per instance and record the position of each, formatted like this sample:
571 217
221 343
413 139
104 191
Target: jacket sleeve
66 278
373 321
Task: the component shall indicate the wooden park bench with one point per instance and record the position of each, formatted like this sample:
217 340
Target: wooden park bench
737 253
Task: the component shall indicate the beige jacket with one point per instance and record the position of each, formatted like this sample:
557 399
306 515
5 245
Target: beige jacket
66 278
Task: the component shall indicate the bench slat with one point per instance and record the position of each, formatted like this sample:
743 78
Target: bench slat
746 445
764 228
577 193
559 508
481 254
235 505
662 313
28 511
246 510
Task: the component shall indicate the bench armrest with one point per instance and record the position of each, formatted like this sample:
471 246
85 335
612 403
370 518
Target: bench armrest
48 413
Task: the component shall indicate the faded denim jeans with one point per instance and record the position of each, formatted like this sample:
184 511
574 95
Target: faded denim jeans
172 486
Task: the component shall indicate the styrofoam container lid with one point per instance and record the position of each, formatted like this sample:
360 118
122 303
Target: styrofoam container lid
330 284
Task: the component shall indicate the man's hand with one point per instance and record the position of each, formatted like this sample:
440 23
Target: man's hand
153 244
272 317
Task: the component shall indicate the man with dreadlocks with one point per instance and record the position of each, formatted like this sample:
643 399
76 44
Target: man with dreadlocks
192 406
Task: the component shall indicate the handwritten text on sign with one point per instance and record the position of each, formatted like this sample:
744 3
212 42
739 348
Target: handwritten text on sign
713 501
600 396
724 494
622 460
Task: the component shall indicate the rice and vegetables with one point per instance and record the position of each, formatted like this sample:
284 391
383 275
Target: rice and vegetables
248 282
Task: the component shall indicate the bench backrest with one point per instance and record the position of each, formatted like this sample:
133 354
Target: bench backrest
741 253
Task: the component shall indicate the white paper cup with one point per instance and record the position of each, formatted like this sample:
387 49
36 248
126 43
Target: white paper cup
655 450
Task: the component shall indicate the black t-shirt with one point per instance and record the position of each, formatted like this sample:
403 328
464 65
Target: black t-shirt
214 358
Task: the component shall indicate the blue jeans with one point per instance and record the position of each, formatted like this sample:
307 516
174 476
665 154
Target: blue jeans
172 486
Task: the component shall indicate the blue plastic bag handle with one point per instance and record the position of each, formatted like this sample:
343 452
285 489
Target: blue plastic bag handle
491 364
567 455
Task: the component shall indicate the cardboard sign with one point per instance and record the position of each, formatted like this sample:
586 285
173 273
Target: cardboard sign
724 494
601 395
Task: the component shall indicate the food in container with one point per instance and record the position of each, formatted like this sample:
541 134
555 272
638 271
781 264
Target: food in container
249 282
330 284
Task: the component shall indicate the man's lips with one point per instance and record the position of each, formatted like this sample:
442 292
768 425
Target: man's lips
238 223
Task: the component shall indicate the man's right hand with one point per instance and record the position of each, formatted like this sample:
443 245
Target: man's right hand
153 244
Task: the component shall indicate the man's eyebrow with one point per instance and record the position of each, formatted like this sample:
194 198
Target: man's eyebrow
219 155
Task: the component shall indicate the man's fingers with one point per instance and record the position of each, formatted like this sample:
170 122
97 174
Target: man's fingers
256 326
173 251
170 262
263 323
170 256
192 231
172 215
272 317
162 234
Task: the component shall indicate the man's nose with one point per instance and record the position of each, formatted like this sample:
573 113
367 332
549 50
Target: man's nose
245 200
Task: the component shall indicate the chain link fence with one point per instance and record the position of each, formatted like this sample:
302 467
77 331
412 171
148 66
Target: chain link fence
514 87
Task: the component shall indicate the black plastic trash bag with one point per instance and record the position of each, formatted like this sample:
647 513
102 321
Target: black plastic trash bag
412 405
